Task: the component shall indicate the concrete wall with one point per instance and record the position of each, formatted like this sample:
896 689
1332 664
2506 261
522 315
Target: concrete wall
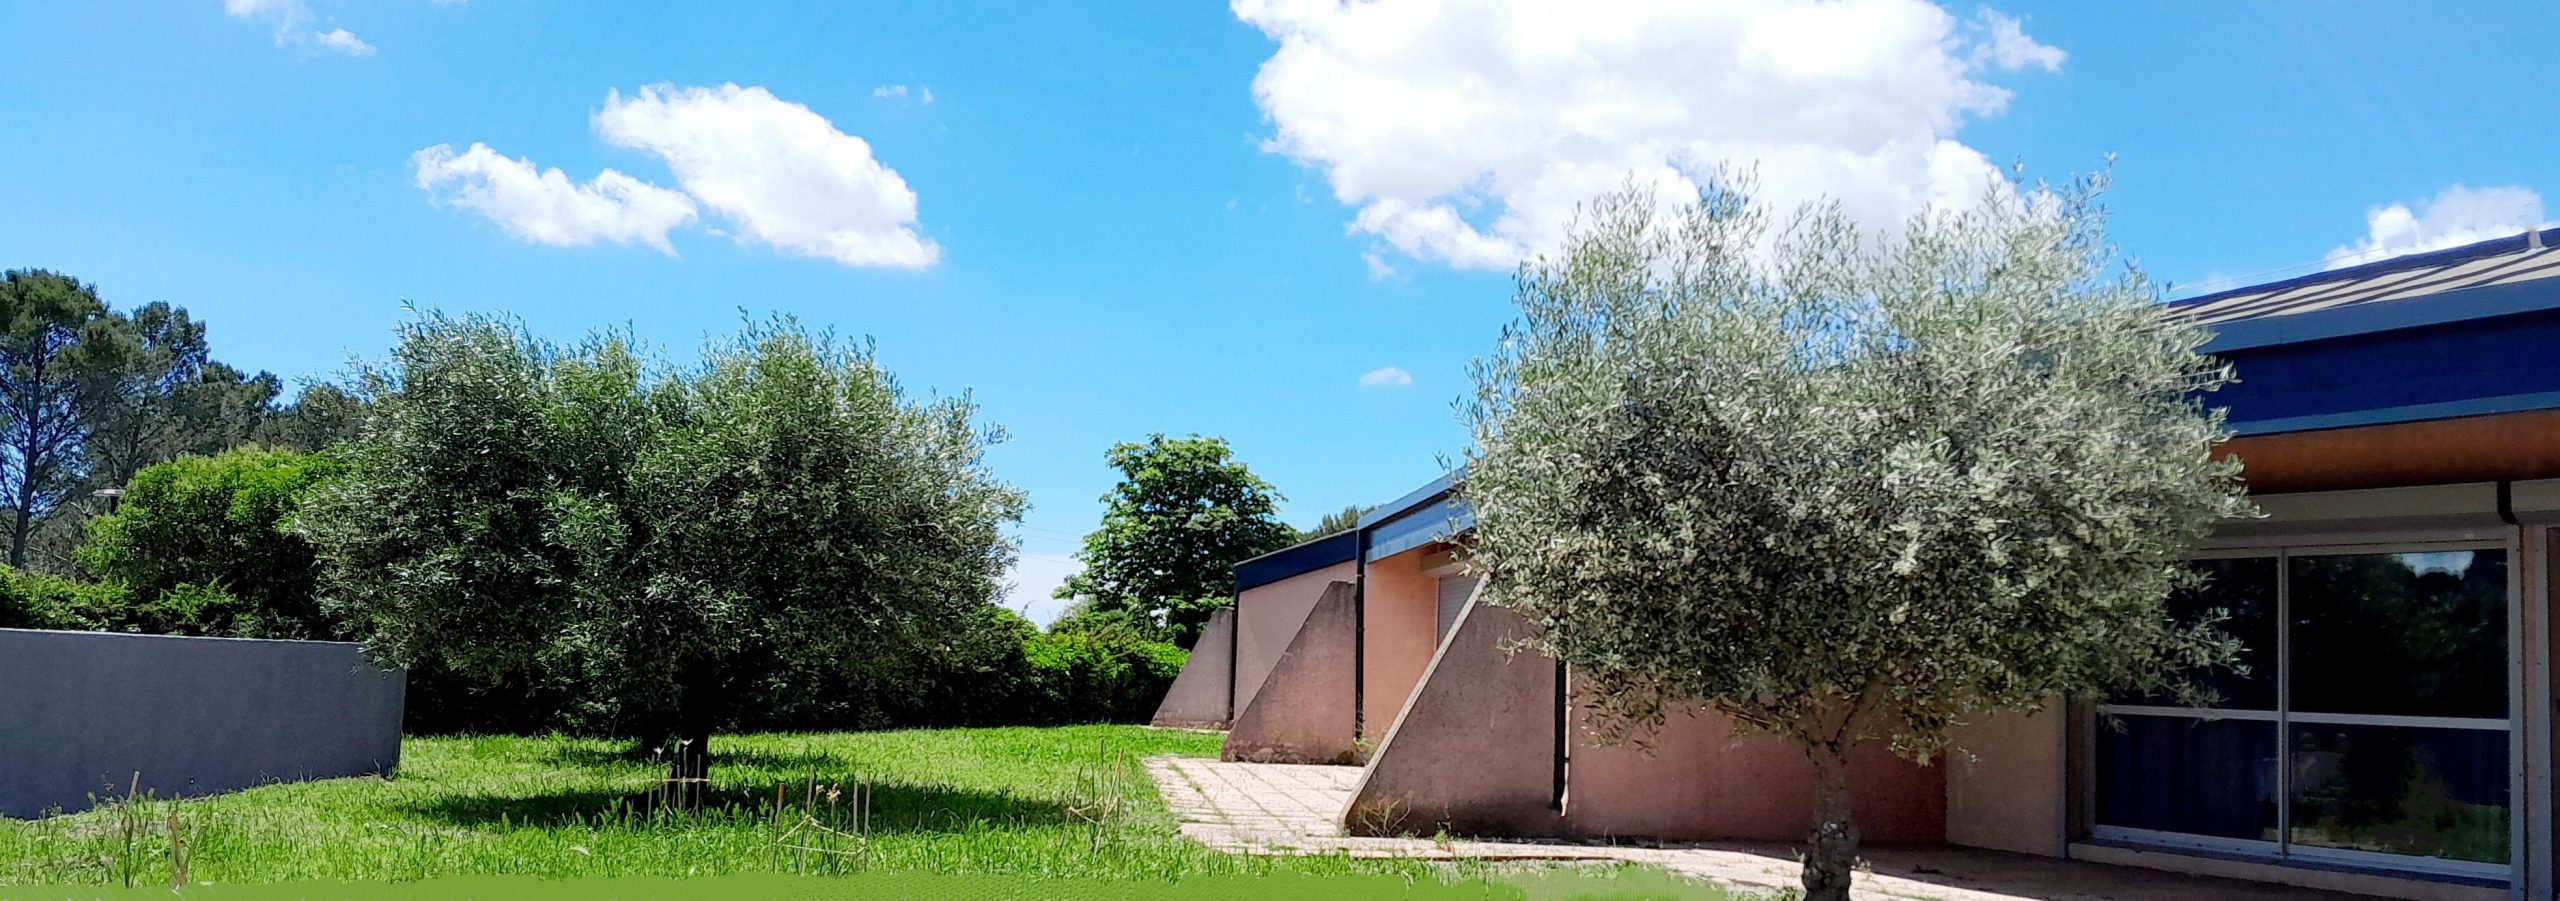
1267 619
1473 752
1199 696
1304 712
82 712
2004 783
1402 629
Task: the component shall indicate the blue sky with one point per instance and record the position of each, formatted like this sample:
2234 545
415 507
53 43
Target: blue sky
1284 223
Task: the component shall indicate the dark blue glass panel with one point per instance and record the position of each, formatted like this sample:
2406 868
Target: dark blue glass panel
2414 634
2178 774
2396 790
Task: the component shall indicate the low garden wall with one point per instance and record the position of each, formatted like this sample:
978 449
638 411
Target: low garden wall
82 713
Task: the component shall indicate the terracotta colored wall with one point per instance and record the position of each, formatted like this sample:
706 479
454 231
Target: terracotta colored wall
2472 449
1267 618
1474 752
1198 696
1401 631
2004 783
1303 713
1702 781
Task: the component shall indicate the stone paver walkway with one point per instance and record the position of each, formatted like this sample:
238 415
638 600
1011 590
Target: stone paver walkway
1267 808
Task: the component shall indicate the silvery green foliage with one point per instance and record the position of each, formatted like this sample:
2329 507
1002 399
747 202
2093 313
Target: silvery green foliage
1841 485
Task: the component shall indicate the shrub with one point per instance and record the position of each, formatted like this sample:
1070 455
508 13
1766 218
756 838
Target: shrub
30 600
1091 678
202 546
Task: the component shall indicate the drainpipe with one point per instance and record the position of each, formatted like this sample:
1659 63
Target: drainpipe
1359 633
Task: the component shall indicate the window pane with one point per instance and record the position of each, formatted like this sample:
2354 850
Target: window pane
2178 774
2243 589
2427 792
2421 634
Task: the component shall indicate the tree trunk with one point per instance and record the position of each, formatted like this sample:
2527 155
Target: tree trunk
689 749
1832 851
18 532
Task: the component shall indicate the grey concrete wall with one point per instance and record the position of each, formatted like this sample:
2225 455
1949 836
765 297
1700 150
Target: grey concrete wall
1200 696
1473 751
1304 712
82 712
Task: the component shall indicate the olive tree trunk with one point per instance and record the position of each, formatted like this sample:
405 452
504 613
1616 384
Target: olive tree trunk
1831 853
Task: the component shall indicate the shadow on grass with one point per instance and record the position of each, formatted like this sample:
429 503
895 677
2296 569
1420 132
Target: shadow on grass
895 807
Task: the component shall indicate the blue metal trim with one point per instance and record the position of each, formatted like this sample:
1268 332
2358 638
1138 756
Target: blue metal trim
2486 406
1420 526
2448 256
1412 499
2480 302
1299 559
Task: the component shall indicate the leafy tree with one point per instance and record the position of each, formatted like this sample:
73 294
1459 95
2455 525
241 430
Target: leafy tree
50 378
680 540
1343 521
1185 511
1842 486
199 524
165 396
321 416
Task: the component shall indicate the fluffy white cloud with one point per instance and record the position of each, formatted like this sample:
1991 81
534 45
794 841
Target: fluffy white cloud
544 206
343 41
2456 216
288 17
782 173
1465 131
1386 377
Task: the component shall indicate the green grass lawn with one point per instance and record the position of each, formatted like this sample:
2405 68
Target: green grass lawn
1063 802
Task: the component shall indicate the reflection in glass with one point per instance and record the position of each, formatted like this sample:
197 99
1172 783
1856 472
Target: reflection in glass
2396 790
2179 774
2242 591
2419 634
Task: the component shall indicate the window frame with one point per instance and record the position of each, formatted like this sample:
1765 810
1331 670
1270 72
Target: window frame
2283 850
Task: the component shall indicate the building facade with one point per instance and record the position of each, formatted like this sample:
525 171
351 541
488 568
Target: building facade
2398 422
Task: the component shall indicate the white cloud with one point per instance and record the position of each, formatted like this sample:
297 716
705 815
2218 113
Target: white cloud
1466 131
339 39
922 94
2007 45
783 174
288 18
544 206
1386 377
1033 579
2456 216
1379 269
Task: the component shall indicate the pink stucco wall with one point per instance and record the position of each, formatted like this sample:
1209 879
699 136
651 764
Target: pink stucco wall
1402 629
1198 699
1303 714
1473 752
2005 783
1704 781
1267 617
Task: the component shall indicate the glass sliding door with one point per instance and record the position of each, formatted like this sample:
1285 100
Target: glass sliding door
2366 722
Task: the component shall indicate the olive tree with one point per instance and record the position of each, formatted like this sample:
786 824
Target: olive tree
674 541
1841 485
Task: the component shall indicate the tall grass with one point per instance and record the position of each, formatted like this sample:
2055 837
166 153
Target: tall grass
1062 802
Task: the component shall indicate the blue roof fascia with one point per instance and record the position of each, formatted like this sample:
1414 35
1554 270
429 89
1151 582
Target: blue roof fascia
2486 406
1298 559
2482 302
1412 499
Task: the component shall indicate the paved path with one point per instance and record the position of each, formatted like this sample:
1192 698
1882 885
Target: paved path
1268 808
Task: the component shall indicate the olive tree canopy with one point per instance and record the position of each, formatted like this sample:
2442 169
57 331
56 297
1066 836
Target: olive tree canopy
1846 486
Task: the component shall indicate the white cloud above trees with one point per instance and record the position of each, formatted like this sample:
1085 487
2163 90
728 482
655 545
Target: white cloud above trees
780 174
1464 132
